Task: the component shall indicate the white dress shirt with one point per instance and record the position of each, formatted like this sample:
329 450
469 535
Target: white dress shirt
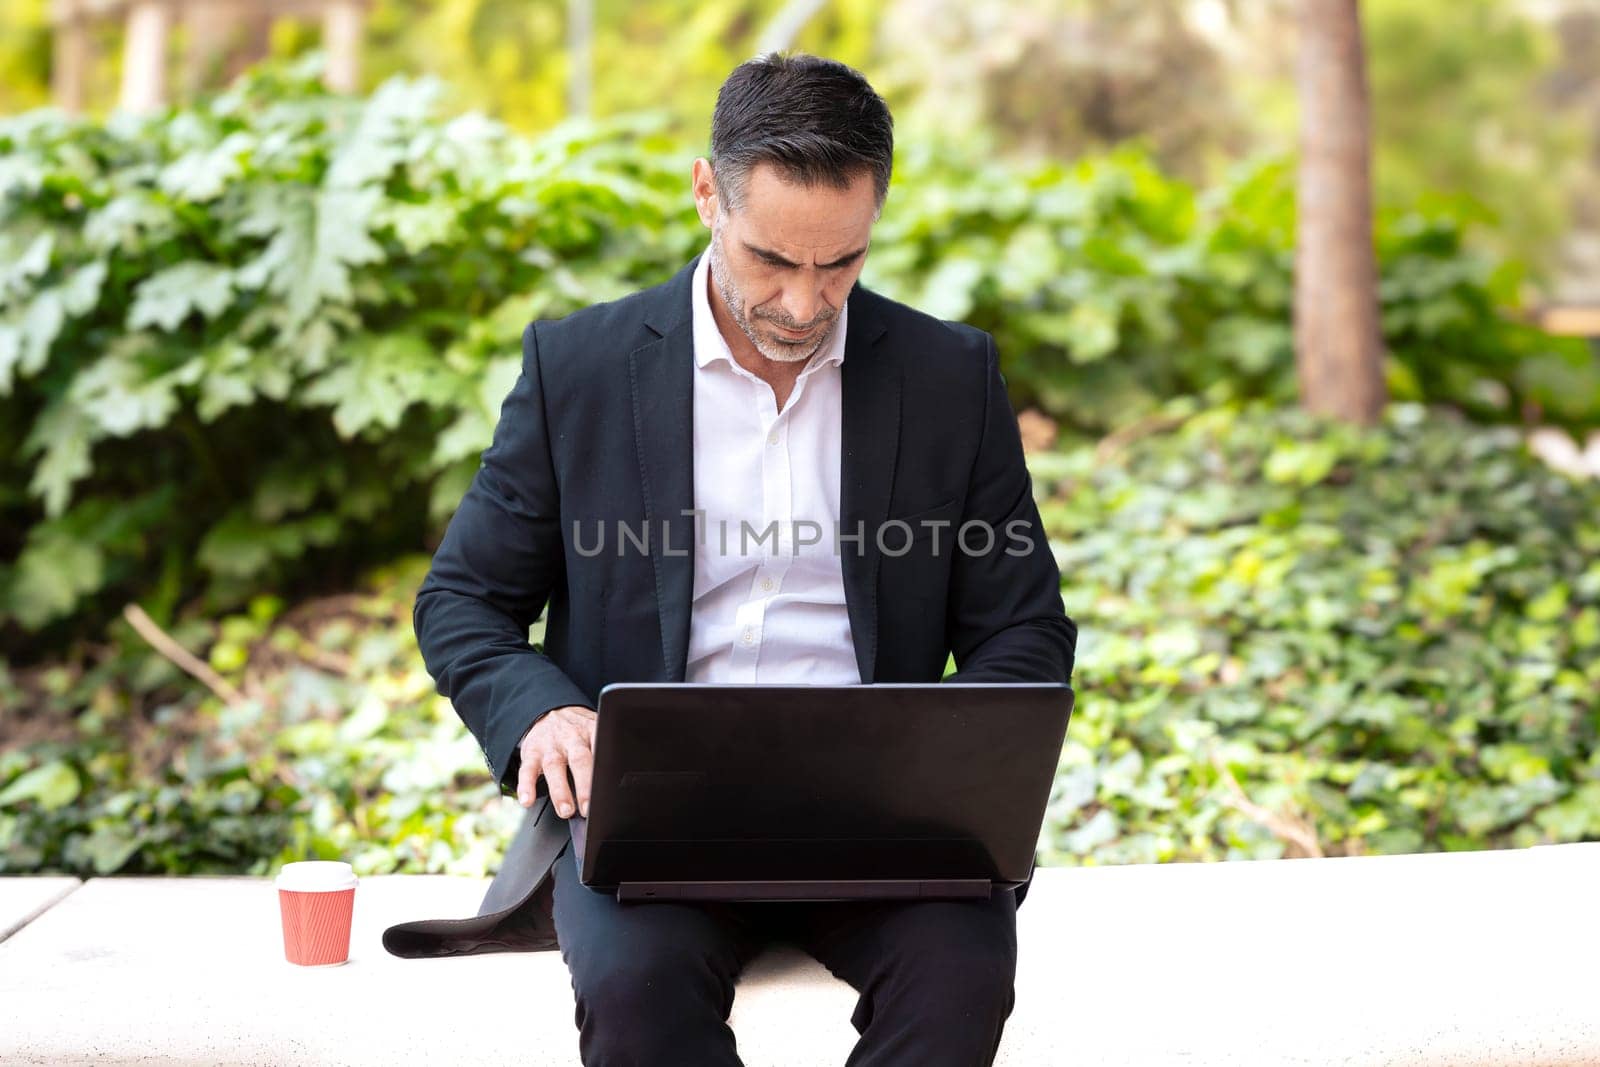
766 607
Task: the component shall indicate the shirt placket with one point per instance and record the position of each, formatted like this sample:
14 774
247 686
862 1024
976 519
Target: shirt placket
777 506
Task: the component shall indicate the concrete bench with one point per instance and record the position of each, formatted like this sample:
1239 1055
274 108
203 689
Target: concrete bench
1461 959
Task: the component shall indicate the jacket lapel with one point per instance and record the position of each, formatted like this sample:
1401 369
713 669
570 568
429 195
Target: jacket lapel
661 381
870 391
661 377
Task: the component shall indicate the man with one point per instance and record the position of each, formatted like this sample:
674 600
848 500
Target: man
759 389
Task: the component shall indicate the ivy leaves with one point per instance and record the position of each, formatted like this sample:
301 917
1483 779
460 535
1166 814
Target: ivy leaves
1391 635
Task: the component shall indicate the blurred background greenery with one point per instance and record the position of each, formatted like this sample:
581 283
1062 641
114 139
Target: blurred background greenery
323 233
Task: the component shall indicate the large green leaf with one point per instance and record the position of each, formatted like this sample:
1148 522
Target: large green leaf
51 786
55 569
167 298
315 240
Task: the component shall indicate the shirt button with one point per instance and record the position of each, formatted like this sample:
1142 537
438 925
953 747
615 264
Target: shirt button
749 638
772 438
766 583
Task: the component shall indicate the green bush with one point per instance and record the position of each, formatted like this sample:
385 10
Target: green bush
259 344
266 340
1294 638
1111 287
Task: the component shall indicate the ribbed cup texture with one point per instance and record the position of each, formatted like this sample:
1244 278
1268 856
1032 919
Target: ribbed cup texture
316 926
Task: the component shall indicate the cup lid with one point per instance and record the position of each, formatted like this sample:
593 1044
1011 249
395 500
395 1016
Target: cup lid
314 876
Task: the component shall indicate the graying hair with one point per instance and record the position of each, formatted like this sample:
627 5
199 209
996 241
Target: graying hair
817 120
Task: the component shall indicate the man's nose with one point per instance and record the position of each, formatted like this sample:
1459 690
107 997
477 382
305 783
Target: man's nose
804 307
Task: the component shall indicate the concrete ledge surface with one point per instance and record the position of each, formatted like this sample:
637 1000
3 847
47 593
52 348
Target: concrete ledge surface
26 898
1461 959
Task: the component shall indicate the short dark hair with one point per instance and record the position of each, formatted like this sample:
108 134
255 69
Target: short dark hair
816 119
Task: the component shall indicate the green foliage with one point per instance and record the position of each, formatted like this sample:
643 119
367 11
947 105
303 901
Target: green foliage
24 54
1468 97
512 58
1389 638
260 343
244 343
338 747
1110 287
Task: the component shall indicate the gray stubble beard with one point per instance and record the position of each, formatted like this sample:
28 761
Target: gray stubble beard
733 299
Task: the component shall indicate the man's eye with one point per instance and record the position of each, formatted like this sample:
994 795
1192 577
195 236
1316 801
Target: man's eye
788 266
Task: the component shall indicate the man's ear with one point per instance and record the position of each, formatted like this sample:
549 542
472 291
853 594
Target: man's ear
705 206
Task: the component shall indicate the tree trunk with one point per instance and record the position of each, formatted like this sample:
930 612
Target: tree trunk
69 69
580 56
1338 344
144 56
343 24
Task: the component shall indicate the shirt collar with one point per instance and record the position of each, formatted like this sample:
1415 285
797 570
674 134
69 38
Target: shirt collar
710 345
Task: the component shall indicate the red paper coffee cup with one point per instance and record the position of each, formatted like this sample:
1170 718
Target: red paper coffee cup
316 899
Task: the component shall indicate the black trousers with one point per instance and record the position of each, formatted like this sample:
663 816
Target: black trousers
654 980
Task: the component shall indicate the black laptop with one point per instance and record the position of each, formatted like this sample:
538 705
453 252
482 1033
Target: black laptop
818 792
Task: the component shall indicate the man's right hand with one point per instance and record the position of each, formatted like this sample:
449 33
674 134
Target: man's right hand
562 739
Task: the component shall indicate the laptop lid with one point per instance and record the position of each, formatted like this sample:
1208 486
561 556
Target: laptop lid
722 784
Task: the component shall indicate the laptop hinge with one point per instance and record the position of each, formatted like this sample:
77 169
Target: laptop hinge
874 889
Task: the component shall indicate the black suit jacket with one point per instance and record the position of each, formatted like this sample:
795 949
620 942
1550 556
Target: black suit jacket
597 431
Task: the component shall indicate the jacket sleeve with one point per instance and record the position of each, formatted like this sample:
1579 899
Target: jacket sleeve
1007 622
490 579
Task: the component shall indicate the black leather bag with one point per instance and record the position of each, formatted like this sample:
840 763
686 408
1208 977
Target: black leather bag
516 913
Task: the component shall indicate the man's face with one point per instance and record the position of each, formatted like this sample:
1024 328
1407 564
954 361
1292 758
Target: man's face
784 264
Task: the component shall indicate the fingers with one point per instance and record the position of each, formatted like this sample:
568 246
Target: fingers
555 776
526 777
560 741
581 760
